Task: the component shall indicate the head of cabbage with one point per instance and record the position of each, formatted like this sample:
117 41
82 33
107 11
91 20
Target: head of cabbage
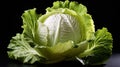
65 32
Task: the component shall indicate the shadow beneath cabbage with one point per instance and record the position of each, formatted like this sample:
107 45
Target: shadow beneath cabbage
60 64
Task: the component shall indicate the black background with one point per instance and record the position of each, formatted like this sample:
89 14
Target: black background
105 13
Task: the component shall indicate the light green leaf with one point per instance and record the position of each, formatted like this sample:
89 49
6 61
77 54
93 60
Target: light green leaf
61 51
100 49
29 22
20 48
55 53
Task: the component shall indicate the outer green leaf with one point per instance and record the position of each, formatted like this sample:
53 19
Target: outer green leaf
29 22
79 8
34 29
61 51
56 53
100 49
20 49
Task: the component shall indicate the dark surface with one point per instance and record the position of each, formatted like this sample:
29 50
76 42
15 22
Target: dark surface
105 13
114 61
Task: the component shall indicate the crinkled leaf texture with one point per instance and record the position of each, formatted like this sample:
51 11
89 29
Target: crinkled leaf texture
21 49
65 32
99 49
